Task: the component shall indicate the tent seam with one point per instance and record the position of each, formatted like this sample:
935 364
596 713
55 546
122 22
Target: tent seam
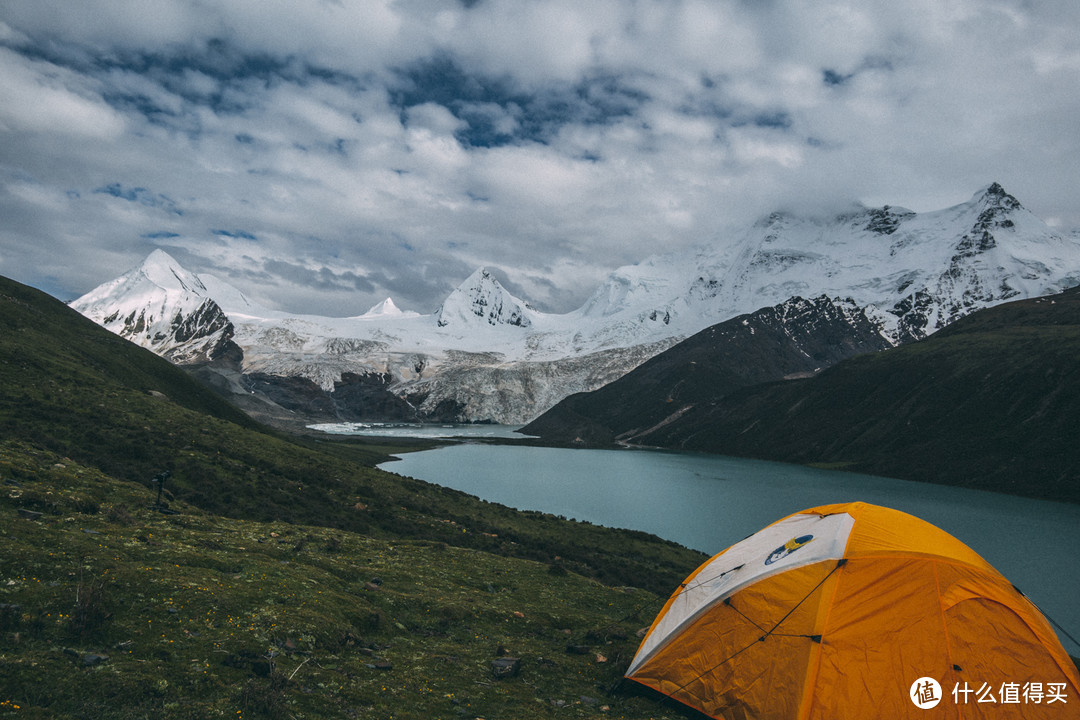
945 632
812 673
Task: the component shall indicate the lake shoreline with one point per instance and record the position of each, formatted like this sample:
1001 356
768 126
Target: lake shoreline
710 502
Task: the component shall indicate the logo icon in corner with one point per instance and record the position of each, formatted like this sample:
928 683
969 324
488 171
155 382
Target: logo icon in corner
925 693
787 548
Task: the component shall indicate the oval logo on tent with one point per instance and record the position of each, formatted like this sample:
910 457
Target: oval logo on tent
787 548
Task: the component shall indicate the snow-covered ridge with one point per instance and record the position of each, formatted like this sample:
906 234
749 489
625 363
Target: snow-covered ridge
488 355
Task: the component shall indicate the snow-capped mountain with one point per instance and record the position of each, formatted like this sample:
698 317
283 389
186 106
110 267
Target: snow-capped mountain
916 272
481 296
487 355
162 307
387 309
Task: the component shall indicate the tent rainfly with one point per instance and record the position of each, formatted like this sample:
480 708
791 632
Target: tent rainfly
855 611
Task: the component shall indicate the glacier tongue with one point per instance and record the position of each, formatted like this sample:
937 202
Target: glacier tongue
487 355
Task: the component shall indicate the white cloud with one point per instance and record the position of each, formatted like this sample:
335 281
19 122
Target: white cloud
377 147
41 98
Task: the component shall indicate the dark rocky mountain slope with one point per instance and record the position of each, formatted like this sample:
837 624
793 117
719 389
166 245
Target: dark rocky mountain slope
793 339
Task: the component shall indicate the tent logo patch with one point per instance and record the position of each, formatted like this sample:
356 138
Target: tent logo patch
787 548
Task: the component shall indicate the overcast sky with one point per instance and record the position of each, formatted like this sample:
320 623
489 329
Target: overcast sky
323 155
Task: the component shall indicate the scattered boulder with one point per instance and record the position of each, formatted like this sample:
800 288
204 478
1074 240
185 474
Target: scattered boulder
505 667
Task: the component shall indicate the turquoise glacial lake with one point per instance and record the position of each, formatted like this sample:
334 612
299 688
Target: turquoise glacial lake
709 502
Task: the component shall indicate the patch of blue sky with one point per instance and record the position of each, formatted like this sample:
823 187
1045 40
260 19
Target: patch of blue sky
155 111
237 234
214 74
496 113
135 194
776 119
217 59
832 77
139 195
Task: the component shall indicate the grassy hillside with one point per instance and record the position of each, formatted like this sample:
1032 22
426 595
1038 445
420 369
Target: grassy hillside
294 579
991 402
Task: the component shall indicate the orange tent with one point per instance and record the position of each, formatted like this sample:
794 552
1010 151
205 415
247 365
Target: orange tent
855 611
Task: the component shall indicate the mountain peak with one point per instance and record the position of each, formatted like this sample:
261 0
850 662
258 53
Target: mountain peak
387 309
994 195
482 298
162 307
162 270
159 257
